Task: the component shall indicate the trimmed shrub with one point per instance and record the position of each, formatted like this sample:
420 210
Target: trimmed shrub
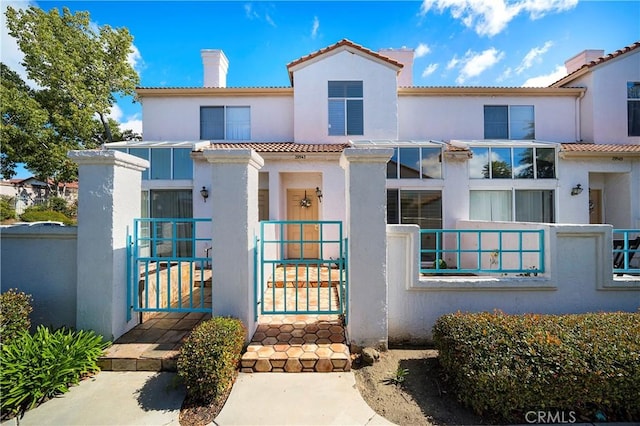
505 366
209 358
36 368
7 209
33 215
15 308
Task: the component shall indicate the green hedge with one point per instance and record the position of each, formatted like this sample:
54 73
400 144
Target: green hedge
209 358
40 366
44 215
505 366
15 307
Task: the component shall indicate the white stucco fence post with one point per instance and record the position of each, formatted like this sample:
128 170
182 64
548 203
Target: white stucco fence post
366 205
234 202
108 201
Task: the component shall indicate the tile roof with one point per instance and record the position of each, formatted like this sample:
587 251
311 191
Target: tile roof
277 147
601 148
598 61
344 42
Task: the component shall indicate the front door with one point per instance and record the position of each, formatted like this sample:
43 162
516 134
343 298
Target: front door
595 206
300 210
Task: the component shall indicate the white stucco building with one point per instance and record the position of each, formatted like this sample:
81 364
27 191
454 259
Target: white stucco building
568 153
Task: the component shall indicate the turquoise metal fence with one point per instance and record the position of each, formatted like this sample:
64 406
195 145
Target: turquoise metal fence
482 251
164 272
625 249
298 272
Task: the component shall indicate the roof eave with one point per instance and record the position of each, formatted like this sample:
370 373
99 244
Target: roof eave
491 91
150 92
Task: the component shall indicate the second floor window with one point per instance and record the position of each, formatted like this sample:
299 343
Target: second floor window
633 108
225 123
509 122
346 116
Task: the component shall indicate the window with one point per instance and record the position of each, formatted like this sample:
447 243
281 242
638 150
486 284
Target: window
529 205
420 207
415 163
633 108
165 163
225 123
512 163
346 116
169 204
509 122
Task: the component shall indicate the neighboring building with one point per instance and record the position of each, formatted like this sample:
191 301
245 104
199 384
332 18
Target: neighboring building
566 153
33 192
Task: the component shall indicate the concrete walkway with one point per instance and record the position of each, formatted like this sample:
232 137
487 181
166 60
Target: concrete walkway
150 398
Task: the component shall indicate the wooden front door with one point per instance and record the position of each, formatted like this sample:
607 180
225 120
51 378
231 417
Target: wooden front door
595 206
305 232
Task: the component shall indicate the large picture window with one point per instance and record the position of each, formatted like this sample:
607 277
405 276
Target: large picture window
415 163
164 163
509 205
225 123
509 122
346 108
633 108
526 162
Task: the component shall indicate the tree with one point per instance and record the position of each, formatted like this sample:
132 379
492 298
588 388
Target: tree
80 68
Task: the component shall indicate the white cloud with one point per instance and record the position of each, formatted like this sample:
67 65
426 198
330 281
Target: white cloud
132 122
135 58
453 63
430 69
532 56
475 63
251 13
489 18
422 50
315 27
10 53
546 80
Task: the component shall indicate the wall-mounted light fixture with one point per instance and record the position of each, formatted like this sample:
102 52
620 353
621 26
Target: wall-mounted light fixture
576 190
205 194
319 194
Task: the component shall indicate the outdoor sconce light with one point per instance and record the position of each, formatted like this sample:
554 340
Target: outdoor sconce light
205 194
319 194
576 190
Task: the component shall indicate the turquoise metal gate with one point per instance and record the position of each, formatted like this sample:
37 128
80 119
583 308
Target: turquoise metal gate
300 268
164 272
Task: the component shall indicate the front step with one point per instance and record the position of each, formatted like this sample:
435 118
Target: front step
314 343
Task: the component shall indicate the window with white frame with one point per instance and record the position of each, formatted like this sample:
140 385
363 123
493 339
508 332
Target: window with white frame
521 205
509 122
633 108
346 108
225 123
415 163
517 162
164 163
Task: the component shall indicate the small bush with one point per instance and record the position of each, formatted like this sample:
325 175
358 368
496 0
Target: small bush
209 358
15 308
33 215
503 366
36 368
7 209
59 204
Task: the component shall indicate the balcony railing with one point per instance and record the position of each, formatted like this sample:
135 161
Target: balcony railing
482 251
626 248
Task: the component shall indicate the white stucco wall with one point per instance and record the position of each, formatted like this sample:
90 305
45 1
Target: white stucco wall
604 107
462 117
42 261
311 97
581 281
178 118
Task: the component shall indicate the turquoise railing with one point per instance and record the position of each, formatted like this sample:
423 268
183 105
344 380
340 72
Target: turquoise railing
626 247
482 251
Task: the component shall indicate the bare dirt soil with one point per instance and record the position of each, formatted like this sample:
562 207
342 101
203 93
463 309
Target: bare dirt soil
405 387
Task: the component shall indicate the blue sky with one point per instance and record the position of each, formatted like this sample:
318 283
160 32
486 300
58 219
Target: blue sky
457 42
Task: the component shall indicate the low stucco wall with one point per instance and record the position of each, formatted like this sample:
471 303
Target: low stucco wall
42 261
579 279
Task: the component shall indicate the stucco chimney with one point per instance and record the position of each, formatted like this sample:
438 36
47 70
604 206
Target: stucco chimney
405 57
215 65
581 59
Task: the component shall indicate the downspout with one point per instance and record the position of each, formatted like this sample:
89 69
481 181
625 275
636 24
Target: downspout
578 115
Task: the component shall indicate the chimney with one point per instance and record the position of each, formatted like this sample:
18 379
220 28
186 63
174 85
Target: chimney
215 65
582 58
405 57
